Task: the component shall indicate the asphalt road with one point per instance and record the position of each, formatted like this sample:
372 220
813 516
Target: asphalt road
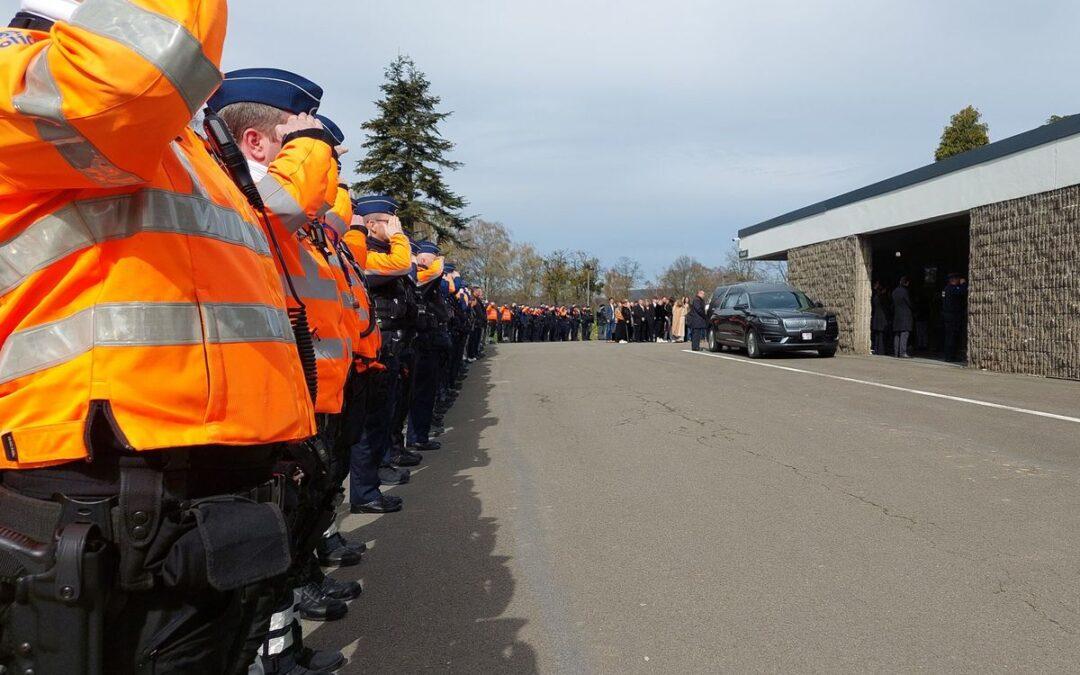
637 508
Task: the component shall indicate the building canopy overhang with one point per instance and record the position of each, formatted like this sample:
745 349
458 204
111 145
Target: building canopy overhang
1036 161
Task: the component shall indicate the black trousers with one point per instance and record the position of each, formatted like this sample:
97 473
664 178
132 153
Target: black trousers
879 342
457 354
367 453
406 390
473 346
696 336
423 400
953 331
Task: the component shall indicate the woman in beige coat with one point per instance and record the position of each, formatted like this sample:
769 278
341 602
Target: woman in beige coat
678 320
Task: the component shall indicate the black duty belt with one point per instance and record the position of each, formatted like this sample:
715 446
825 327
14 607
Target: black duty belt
28 21
37 518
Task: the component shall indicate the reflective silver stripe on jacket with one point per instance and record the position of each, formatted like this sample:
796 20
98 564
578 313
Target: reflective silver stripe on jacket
387 273
328 349
350 301
159 39
227 323
310 284
336 222
41 99
139 324
82 224
279 202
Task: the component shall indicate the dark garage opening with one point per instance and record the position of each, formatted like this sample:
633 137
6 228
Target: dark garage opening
927 254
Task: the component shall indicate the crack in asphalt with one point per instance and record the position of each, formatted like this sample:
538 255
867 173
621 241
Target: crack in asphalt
810 477
1031 601
884 509
668 407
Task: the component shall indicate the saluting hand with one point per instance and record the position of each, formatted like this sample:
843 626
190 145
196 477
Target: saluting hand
393 226
300 122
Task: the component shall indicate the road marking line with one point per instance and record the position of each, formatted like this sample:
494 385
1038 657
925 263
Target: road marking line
920 392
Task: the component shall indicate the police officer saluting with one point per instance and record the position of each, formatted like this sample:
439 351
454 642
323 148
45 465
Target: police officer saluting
432 340
149 376
387 269
292 158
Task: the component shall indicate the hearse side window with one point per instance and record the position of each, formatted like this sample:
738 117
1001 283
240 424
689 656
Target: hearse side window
781 300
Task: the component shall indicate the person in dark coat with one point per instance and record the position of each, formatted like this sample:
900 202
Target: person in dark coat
587 315
637 314
953 315
697 321
903 318
650 319
660 330
622 323
606 318
879 317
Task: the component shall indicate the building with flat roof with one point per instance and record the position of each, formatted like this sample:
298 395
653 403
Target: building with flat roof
1006 216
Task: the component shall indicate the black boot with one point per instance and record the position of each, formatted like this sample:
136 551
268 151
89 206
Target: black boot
314 606
389 475
320 661
334 551
340 590
403 457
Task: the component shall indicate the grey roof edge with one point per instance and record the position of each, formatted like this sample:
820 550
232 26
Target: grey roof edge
1048 133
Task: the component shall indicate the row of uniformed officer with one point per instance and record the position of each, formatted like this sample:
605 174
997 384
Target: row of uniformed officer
199 344
544 323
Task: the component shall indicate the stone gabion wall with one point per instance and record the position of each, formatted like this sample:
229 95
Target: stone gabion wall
1024 291
836 273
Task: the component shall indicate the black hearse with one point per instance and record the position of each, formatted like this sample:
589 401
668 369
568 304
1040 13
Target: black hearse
766 318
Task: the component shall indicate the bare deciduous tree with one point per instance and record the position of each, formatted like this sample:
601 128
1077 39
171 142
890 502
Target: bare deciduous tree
621 277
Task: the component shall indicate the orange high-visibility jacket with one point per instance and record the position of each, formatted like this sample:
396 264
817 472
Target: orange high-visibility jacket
431 273
350 305
506 314
492 313
135 281
295 190
366 337
356 240
397 262
339 211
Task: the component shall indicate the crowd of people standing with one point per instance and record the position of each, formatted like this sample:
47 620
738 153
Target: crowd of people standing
659 319
542 323
902 322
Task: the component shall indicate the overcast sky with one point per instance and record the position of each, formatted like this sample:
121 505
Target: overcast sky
654 129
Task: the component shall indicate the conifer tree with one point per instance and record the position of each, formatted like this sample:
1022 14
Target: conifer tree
966 131
405 155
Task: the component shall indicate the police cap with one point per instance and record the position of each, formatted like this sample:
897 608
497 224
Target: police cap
269 86
365 206
333 129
